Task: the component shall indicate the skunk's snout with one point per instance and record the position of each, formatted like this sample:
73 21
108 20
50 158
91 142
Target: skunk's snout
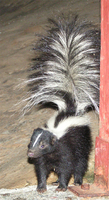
30 153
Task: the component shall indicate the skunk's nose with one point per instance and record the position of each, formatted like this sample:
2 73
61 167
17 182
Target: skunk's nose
30 153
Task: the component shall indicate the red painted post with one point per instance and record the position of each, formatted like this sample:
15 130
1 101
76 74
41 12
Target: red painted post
102 141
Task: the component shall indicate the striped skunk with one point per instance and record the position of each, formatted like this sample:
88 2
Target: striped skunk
65 156
67 75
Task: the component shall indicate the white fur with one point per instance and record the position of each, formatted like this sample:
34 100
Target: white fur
36 140
61 104
66 123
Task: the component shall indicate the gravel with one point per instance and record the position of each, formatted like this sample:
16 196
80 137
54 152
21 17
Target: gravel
30 193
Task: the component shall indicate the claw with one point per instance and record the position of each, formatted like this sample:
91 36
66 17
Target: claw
41 190
59 189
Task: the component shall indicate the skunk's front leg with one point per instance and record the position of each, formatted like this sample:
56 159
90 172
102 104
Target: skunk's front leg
64 178
41 173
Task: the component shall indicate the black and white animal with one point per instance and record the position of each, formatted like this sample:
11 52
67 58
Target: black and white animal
67 74
66 156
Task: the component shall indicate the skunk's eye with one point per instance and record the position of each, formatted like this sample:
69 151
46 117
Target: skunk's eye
42 146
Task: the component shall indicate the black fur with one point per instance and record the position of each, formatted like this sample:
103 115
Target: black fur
66 156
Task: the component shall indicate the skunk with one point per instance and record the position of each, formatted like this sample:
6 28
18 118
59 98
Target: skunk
65 156
66 75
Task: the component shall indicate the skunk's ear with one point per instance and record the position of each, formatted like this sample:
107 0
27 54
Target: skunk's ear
53 140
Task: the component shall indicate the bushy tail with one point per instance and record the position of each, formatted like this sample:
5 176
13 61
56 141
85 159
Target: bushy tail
67 69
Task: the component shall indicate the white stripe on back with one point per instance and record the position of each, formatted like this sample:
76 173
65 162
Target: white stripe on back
64 124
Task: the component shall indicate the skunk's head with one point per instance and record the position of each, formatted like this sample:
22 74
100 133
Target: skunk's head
42 142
